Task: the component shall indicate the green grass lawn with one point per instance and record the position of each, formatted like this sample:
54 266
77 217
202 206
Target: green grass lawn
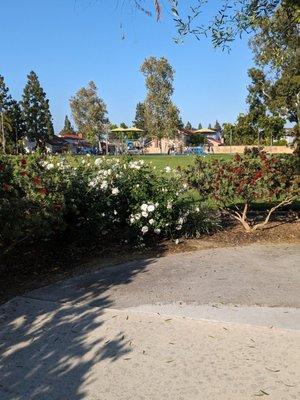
161 161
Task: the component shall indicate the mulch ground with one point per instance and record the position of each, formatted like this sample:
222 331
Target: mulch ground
27 268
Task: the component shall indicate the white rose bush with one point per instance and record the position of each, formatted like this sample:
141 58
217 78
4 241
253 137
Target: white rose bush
44 196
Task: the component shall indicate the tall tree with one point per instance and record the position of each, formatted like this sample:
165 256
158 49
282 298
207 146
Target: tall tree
5 104
199 125
209 126
35 109
68 128
276 50
123 125
161 115
217 127
89 112
188 125
18 127
139 120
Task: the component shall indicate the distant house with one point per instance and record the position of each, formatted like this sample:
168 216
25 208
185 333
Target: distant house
76 144
56 145
66 143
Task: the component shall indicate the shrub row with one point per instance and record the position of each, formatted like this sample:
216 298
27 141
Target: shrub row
42 196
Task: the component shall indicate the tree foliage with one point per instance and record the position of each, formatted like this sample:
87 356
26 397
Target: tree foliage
275 46
229 20
89 112
35 110
139 120
188 125
161 115
68 128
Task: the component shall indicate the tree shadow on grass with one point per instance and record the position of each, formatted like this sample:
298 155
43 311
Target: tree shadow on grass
51 339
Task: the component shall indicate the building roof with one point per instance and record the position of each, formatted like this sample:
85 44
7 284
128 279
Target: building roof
71 136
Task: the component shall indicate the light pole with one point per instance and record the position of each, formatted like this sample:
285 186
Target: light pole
2 128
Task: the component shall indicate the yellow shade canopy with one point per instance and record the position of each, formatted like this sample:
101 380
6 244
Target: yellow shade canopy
133 129
119 129
204 131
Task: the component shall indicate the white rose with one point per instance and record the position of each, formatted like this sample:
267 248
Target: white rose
49 166
157 231
104 185
115 191
168 169
150 208
144 214
180 221
151 221
144 207
144 229
178 227
169 206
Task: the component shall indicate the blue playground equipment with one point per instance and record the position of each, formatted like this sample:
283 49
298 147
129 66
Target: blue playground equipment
198 151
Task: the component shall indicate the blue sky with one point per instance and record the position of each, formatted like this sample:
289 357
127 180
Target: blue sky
70 42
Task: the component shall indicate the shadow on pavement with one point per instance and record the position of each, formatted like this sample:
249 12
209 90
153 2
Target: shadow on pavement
47 347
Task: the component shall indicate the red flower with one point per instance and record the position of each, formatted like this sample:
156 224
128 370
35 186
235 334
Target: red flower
42 191
37 180
23 161
237 157
257 176
23 173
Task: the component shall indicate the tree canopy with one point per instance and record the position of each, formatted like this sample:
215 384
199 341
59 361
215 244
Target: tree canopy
89 112
161 115
35 110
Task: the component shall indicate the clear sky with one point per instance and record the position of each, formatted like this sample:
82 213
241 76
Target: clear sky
70 42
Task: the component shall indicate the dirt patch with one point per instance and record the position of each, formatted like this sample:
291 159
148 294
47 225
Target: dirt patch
40 265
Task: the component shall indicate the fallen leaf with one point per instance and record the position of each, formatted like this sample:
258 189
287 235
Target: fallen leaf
286 384
262 393
272 370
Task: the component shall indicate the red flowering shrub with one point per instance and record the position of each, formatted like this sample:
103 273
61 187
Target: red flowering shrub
245 180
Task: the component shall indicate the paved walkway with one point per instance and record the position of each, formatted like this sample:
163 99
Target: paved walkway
219 324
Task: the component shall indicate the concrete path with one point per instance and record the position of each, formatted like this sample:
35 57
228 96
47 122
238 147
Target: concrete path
148 330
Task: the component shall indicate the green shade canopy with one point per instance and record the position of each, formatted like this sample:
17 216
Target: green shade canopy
204 131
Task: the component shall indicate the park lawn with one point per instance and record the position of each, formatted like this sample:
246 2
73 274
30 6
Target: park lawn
162 160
